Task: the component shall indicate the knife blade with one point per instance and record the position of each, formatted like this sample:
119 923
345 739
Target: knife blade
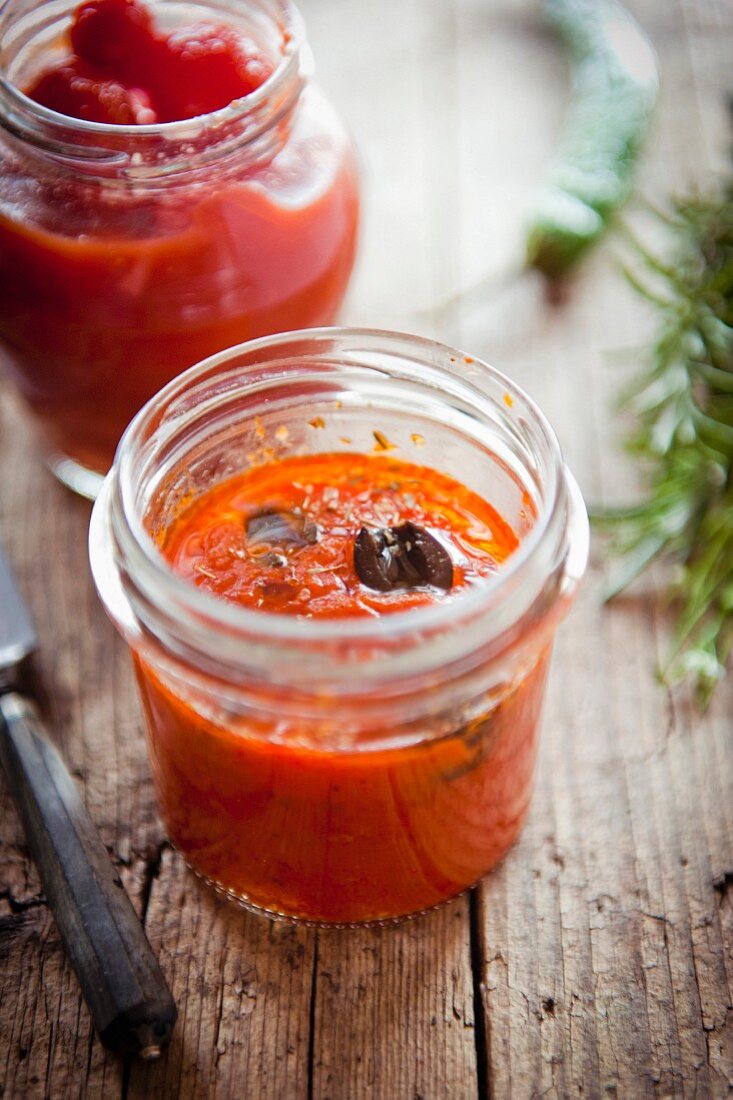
124 987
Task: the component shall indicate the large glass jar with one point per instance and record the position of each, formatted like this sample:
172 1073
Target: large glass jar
345 770
128 253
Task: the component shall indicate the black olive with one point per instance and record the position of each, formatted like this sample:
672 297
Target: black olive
271 530
407 556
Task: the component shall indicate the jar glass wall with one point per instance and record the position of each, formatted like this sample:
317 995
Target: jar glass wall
128 253
351 770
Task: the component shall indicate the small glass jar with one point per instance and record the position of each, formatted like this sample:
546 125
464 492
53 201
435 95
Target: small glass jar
342 771
129 253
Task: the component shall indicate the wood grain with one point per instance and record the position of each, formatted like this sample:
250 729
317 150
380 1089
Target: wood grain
606 954
598 959
383 1024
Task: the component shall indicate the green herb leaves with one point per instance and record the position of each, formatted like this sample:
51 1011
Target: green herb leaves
684 409
614 78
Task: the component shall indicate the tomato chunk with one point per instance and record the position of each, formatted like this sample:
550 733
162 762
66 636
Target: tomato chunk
117 36
78 90
124 70
205 67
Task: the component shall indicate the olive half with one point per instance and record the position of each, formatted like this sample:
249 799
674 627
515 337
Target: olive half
407 556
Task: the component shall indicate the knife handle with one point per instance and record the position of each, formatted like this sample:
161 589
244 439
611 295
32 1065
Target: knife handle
128 997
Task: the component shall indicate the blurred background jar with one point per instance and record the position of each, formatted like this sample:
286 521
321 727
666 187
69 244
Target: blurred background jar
128 253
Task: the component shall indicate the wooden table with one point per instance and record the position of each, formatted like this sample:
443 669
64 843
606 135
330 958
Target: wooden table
597 960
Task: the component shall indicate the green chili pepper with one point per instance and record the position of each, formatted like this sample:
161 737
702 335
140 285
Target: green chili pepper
615 81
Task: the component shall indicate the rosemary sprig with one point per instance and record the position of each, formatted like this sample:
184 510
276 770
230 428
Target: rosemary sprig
683 409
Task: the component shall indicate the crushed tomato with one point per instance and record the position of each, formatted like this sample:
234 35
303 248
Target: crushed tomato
124 70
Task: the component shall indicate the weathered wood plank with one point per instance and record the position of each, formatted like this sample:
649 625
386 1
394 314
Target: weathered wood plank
243 986
370 60
606 944
89 706
394 1010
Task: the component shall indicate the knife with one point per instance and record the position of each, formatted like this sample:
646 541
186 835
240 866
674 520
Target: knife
128 997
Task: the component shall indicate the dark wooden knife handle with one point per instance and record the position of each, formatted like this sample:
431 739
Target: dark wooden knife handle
128 997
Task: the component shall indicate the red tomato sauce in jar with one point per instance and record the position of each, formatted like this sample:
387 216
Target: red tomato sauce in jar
280 817
110 287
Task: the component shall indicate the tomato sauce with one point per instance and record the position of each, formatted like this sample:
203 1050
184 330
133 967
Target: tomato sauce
283 814
108 288
338 494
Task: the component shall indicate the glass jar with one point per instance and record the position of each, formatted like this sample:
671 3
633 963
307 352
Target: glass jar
128 253
353 770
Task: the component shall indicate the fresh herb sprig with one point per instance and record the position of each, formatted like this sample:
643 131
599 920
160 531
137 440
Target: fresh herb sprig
683 408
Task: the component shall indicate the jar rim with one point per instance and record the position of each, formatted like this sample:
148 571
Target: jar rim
119 492
284 74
